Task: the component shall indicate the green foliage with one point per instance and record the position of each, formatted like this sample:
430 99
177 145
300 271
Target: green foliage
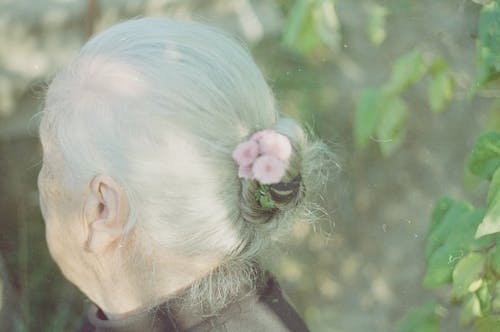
485 162
493 121
367 115
488 45
406 71
494 191
471 310
422 319
376 26
380 116
467 274
488 324
311 24
441 88
263 196
491 221
450 238
485 157
461 248
390 128
381 113
494 260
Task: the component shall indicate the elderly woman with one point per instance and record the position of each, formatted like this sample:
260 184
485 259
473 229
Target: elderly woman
168 174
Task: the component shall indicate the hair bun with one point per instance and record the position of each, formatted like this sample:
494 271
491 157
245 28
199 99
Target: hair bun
260 202
284 195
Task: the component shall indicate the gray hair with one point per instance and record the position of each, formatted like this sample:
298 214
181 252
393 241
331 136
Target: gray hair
160 105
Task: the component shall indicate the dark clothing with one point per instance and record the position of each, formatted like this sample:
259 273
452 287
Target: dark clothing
267 310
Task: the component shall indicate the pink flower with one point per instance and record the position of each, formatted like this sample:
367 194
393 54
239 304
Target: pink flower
276 145
245 153
263 157
245 172
268 169
258 135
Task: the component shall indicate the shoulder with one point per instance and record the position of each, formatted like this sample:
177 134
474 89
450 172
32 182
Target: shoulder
268 310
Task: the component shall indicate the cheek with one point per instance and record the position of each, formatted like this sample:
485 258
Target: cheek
65 244
59 212
54 228
60 207
53 244
48 193
49 212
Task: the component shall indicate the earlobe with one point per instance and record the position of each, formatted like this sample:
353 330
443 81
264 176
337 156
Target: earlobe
106 214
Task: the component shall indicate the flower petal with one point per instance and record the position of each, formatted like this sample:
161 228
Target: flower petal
268 169
245 153
276 145
259 134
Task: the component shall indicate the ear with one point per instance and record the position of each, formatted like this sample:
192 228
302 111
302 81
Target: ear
106 213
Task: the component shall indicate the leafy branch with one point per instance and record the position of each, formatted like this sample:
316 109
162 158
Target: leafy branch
381 113
462 248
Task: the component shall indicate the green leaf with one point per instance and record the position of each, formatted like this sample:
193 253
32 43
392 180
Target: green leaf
296 19
495 303
407 70
376 26
488 45
471 310
327 23
440 266
485 157
367 116
463 233
450 241
440 91
424 318
485 296
263 196
468 270
437 66
438 235
310 24
491 221
439 210
494 191
484 241
488 324
494 259
441 87
390 129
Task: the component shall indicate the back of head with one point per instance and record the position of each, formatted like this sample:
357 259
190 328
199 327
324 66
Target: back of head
160 105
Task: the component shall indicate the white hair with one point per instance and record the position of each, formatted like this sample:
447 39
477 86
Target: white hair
160 104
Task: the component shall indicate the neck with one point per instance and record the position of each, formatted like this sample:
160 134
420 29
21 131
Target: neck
121 291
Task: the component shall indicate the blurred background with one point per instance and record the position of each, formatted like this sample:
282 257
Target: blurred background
361 267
